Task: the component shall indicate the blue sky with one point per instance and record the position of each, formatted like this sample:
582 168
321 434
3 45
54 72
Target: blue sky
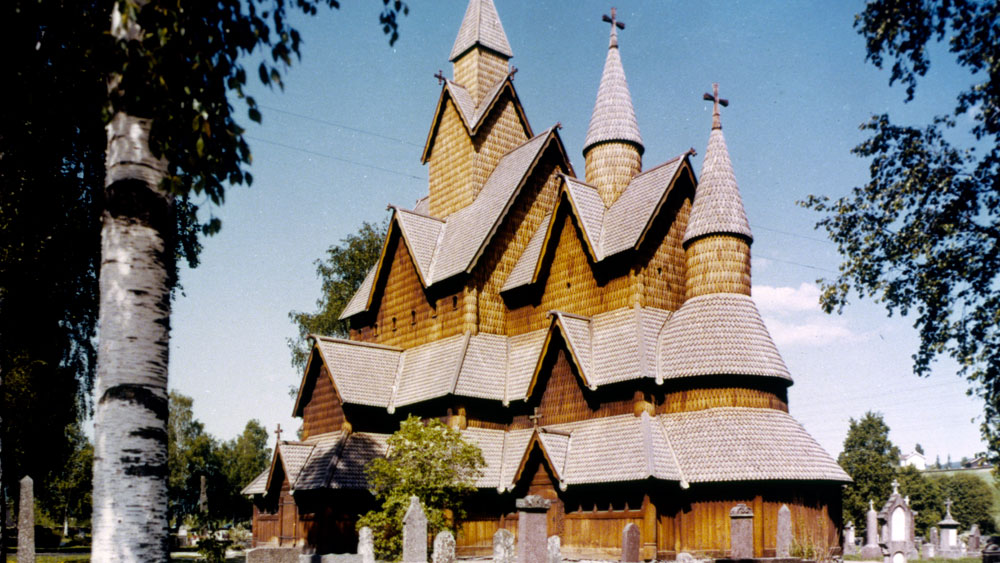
344 139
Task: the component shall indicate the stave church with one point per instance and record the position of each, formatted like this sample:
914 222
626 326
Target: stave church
594 336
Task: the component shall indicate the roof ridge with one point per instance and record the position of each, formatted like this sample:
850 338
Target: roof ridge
673 453
335 340
412 212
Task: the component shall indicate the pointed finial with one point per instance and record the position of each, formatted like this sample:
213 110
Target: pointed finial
947 505
613 20
277 431
440 76
871 505
714 97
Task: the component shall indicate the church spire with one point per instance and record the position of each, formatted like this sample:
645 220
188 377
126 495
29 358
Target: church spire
717 207
481 50
613 147
717 239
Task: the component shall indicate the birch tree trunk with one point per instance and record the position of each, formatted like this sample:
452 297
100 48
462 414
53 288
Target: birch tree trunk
130 438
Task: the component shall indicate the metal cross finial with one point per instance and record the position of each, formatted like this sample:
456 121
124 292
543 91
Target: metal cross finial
278 431
440 76
714 97
535 418
513 71
613 20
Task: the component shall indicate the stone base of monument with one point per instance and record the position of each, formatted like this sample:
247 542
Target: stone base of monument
331 558
871 552
273 555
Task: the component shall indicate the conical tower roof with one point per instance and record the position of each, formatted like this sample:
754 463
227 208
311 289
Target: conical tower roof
614 117
717 207
481 26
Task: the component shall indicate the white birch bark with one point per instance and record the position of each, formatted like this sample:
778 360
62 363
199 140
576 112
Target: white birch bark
130 438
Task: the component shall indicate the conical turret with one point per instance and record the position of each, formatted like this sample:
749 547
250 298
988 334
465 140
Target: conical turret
613 147
481 50
717 240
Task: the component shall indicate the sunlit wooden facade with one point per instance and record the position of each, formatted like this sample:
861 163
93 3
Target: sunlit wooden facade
596 338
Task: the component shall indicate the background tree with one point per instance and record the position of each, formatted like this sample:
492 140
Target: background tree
973 501
342 272
870 459
923 235
171 135
926 498
426 459
67 495
191 453
240 460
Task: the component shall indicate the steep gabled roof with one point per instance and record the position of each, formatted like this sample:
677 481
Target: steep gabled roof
293 456
606 231
461 238
718 334
481 26
607 348
472 115
613 118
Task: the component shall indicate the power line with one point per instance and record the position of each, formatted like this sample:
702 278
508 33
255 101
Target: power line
791 234
796 264
337 158
341 126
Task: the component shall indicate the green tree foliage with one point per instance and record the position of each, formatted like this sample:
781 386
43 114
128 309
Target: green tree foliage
227 466
67 495
342 272
51 174
926 497
923 235
432 462
972 498
870 459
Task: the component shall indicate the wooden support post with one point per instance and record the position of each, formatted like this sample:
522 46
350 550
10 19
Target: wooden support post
648 529
758 526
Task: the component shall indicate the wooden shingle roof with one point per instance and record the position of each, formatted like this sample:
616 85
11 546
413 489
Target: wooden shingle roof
613 118
481 26
718 206
718 334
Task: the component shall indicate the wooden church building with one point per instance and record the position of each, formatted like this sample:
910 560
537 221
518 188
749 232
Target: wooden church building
595 337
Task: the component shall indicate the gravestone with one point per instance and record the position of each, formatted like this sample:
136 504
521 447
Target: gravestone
444 548
897 521
415 533
784 535
503 547
630 543
935 537
871 550
366 545
741 532
203 496
948 546
555 550
972 546
26 522
849 546
532 529
272 554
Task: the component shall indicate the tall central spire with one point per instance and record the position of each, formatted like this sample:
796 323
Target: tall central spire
481 50
613 147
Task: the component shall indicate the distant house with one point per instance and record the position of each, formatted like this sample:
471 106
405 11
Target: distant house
915 459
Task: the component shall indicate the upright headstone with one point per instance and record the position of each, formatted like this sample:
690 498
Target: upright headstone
532 529
444 548
503 547
630 543
935 537
741 532
415 533
26 522
555 550
366 545
871 550
849 546
203 496
948 546
784 535
974 542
